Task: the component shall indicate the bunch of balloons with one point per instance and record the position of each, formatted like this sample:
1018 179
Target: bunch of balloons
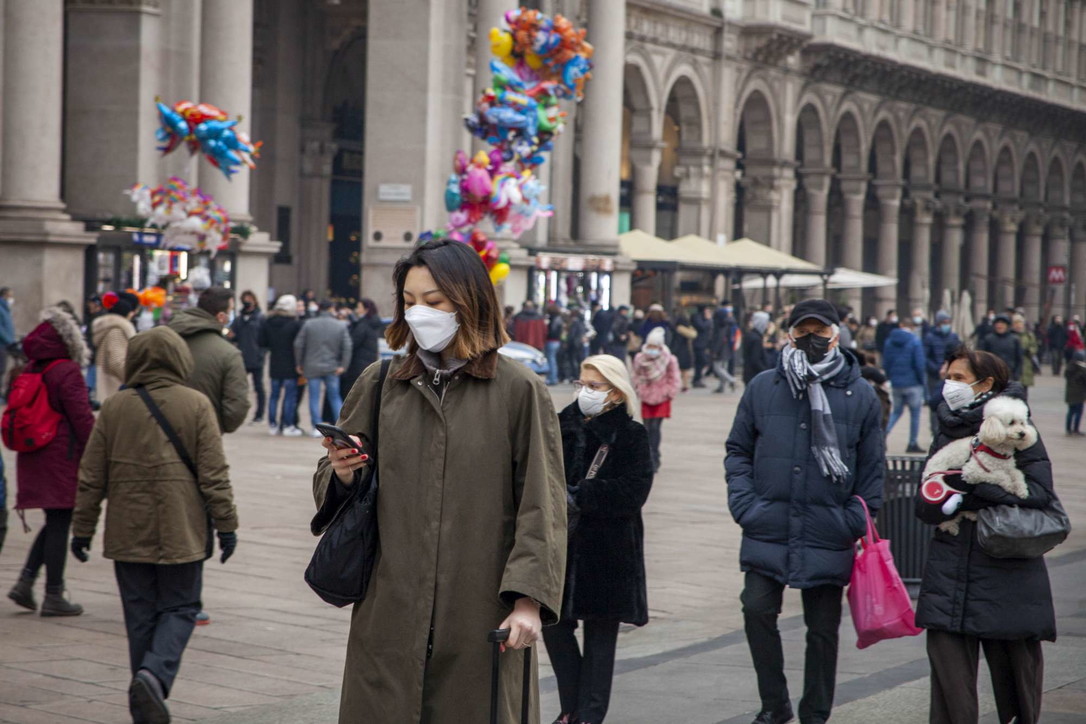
497 262
205 128
188 217
538 61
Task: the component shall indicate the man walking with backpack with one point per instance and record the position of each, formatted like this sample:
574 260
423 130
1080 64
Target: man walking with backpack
163 503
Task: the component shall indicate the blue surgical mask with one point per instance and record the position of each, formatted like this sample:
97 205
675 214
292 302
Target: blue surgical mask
944 328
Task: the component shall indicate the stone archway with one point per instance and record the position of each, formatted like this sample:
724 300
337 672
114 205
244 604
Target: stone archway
1009 218
1031 243
950 227
812 187
1077 275
917 175
641 151
1057 242
685 172
757 189
979 262
848 193
882 251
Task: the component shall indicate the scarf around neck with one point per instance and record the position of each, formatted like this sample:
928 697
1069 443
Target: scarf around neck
653 368
803 376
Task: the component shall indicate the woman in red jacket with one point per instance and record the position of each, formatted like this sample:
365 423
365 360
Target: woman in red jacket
47 477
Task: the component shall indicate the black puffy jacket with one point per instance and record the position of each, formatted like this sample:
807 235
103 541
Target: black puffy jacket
605 563
277 336
799 527
1006 346
966 591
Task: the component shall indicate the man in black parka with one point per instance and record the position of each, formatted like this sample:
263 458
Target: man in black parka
805 442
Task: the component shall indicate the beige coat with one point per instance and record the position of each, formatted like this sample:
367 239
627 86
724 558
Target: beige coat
471 511
110 333
156 511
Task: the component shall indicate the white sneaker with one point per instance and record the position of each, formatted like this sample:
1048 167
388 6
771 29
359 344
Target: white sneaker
316 433
292 431
273 430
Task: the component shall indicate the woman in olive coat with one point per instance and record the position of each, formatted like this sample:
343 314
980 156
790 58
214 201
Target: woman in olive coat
605 570
472 505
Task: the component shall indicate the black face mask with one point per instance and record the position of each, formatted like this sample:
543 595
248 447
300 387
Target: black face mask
247 306
815 347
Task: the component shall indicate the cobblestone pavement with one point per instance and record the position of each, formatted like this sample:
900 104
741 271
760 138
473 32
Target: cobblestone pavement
274 652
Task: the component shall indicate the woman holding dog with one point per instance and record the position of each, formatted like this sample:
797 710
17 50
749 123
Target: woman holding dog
968 599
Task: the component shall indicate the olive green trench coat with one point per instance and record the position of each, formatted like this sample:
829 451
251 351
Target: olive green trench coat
472 515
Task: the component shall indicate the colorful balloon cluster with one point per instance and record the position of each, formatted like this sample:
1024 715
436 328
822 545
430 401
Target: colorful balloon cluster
497 262
152 297
539 61
205 128
187 216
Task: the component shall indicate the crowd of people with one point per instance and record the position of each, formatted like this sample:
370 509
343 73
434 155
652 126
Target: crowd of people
508 513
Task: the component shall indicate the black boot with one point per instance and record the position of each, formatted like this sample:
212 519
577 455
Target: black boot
23 592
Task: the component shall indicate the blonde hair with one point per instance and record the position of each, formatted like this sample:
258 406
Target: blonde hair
614 371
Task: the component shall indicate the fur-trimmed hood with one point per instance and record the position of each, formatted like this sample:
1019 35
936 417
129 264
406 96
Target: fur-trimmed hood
58 336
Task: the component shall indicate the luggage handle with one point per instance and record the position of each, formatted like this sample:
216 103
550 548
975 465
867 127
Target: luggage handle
496 638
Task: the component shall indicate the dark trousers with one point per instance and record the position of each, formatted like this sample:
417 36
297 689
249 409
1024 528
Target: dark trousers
1057 361
1016 668
1074 417
761 600
160 606
653 425
258 387
50 549
584 679
701 360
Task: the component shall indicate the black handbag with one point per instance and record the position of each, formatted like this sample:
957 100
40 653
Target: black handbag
342 564
1011 531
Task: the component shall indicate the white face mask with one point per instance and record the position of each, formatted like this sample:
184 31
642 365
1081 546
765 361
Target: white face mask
958 394
591 401
433 329
652 351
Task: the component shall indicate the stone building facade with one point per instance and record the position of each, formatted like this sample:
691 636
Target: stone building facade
937 141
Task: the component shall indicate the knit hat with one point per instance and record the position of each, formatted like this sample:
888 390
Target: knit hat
760 321
122 303
286 303
941 317
656 337
656 307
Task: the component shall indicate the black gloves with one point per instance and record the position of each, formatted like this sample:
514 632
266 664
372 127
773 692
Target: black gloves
79 547
227 543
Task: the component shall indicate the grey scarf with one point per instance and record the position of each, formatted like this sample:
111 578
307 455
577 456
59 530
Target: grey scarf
803 376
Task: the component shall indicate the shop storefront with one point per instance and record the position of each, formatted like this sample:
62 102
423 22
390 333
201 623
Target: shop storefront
571 279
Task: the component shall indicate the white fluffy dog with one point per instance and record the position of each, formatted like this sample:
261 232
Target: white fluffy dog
988 457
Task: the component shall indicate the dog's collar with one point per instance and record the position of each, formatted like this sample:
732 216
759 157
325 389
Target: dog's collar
978 447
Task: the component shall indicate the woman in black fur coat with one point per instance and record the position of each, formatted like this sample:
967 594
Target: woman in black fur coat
608 474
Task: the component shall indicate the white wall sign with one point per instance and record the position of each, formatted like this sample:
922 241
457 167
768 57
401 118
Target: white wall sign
394 192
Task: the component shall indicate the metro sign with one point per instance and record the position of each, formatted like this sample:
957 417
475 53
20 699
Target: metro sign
1057 275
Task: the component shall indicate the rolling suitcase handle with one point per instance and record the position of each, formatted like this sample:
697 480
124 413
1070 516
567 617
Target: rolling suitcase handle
496 638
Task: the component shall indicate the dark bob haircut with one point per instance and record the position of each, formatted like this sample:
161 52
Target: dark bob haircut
984 365
462 277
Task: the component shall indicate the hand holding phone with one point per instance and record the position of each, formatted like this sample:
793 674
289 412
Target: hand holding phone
339 436
344 452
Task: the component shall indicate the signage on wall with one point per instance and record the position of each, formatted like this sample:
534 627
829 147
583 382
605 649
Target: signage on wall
1057 274
394 192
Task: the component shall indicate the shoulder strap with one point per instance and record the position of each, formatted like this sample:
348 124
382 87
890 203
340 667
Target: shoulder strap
597 462
156 412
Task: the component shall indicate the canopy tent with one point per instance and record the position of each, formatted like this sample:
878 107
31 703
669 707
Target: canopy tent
747 256
652 251
841 278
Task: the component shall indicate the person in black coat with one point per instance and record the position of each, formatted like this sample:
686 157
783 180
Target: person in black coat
277 336
1004 343
703 325
1055 341
968 599
365 332
805 446
605 569
756 356
245 333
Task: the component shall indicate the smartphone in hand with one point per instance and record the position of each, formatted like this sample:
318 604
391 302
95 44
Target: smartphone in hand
339 436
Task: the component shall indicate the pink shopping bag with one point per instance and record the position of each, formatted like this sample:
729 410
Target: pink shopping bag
880 604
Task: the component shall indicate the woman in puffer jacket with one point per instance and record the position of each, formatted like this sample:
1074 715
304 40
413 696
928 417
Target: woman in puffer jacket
968 599
47 477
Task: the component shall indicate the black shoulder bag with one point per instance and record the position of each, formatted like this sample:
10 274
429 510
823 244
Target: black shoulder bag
167 428
342 564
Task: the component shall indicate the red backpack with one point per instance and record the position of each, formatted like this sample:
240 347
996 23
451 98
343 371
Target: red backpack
30 422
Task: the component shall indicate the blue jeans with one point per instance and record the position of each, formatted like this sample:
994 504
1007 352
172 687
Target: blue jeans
913 397
551 350
331 389
1074 418
289 388
92 379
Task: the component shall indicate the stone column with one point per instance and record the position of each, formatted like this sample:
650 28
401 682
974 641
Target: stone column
645 162
1077 273
226 80
924 206
761 196
1031 260
694 174
724 195
1059 254
889 194
602 129
314 194
978 255
953 235
816 182
938 20
41 249
854 191
1009 217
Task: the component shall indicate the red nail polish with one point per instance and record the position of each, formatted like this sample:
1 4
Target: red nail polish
365 457
354 450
